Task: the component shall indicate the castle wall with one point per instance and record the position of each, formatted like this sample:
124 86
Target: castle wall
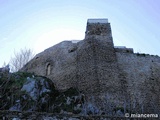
74 64
98 69
96 65
142 80
62 60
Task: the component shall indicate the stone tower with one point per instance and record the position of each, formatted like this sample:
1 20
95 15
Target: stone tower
97 69
98 27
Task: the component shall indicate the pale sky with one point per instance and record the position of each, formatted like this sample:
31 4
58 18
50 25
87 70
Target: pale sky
39 24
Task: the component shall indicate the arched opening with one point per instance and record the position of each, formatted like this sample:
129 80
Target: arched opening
48 69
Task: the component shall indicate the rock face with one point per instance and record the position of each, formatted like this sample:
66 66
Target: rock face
107 75
27 92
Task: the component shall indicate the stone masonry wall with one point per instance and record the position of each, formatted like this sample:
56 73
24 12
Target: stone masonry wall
142 80
62 60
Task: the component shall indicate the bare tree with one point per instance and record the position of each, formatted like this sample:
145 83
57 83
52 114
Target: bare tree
20 59
4 64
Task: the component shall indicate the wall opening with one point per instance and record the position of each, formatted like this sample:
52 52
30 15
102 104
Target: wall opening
48 69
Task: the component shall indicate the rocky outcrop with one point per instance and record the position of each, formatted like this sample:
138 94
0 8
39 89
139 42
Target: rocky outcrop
27 92
17 115
30 93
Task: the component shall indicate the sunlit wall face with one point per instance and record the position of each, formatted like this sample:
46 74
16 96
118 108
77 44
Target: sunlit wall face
40 24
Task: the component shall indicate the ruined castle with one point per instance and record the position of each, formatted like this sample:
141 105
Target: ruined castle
99 69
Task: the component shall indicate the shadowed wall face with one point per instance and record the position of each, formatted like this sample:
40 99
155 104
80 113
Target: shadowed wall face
97 62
